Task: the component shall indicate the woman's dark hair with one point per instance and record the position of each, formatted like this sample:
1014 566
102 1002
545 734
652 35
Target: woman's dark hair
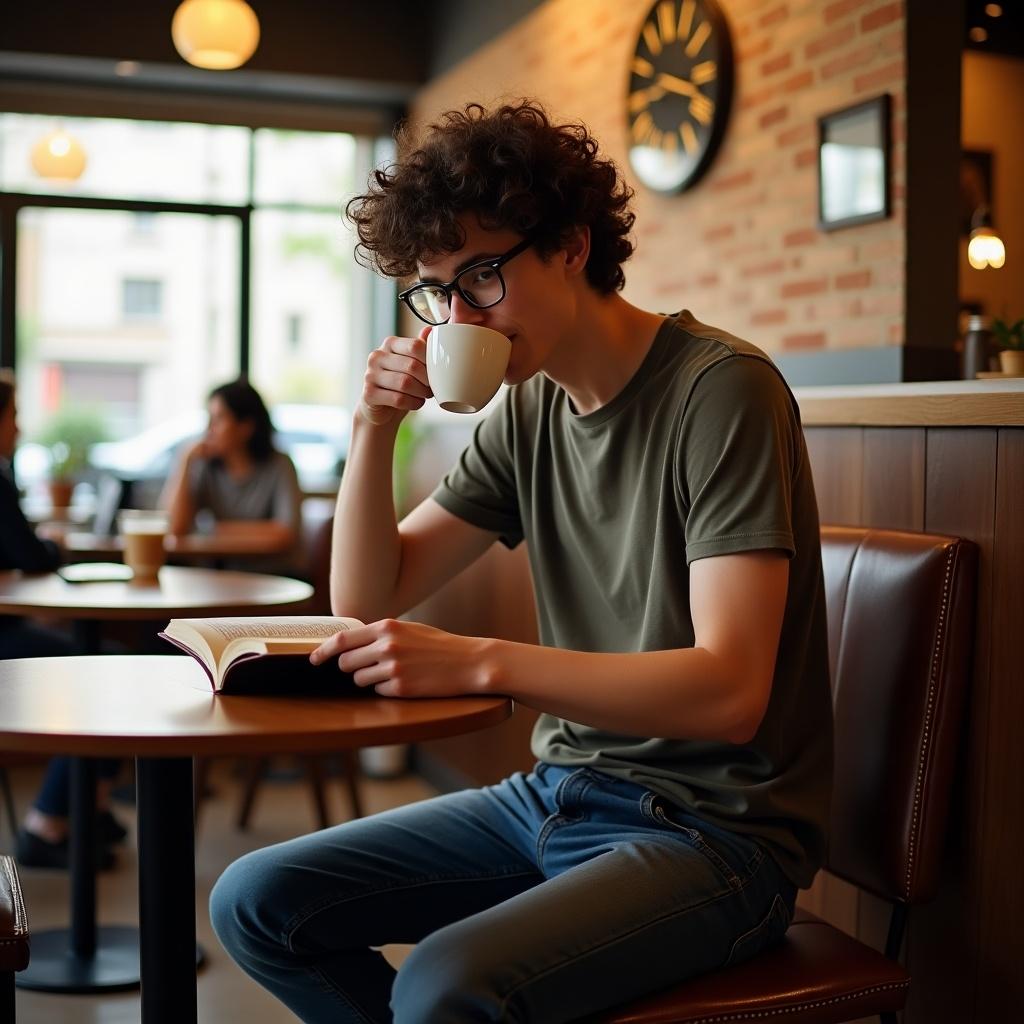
6 389
244 403
513 168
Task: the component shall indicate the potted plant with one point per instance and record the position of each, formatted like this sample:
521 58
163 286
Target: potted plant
1010 339
69 434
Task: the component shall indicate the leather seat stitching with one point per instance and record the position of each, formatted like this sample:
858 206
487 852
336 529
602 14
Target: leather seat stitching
938 652
802 1007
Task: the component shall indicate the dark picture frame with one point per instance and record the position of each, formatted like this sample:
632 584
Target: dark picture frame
975 185
854 164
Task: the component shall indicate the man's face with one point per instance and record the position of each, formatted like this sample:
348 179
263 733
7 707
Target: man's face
539 296
8 429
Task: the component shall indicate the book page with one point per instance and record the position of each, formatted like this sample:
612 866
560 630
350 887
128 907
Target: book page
252 633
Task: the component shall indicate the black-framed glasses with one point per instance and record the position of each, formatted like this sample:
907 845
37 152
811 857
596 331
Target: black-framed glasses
481 285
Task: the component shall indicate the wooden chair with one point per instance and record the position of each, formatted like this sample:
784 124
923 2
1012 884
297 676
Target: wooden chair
901 612
14 937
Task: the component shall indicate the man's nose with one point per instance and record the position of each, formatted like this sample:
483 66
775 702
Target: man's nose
464 313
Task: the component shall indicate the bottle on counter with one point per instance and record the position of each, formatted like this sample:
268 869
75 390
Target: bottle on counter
979 350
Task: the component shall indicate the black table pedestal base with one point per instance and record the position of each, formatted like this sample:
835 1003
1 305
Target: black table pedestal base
114 967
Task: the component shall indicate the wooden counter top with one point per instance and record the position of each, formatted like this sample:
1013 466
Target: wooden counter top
972 403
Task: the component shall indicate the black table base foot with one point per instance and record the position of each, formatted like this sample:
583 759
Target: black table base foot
113 968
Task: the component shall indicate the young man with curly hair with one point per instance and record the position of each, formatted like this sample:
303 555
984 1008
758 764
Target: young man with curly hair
656 469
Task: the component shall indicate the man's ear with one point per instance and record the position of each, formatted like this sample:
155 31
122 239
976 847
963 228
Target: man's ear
577 251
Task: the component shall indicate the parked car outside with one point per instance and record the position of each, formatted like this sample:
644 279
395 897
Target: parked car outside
314 436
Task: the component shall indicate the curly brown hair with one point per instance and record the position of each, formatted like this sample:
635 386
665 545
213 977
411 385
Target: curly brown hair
510 166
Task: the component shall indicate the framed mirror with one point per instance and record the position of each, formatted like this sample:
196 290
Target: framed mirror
853 164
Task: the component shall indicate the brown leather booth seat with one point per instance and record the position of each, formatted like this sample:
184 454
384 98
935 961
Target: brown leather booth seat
14 938
900 610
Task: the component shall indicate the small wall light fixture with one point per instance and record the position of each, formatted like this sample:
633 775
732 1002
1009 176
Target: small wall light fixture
985 248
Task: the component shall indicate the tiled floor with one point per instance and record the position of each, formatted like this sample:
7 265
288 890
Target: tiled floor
283 809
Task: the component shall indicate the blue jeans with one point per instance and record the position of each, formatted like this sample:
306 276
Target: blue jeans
549 896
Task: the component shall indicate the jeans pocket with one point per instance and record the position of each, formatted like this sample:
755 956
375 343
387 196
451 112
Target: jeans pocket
766 933
699 842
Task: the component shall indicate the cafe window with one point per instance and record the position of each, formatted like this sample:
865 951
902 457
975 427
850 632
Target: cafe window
141 299
183 255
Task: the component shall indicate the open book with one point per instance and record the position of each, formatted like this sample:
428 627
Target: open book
264 654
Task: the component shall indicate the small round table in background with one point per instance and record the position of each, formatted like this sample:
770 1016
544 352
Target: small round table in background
85 958
162 711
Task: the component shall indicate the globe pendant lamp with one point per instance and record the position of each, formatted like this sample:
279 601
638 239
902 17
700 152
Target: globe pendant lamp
217 34
59 156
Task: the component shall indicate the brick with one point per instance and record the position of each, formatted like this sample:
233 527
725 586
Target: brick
803 236
761 269
856 334
754 48
708 281
716 234
677 287
774 116
815 339
883 304
832 309
774 16
892 42
769 316
737 180
776 64
871 80
884 249
855 279
806 157
853 59
882 16
810 286
841 9
829 41
802 132
799 81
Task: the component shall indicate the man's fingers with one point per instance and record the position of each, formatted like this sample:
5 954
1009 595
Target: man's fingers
343 640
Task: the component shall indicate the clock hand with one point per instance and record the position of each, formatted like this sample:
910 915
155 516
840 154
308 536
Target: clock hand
643 97
680 85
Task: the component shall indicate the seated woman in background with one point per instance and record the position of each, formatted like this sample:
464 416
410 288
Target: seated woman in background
43 839
237 476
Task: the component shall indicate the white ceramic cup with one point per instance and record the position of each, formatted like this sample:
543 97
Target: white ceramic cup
466 364
143 532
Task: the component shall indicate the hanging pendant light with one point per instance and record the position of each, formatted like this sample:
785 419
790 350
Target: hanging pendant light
217 34
59 156
985 248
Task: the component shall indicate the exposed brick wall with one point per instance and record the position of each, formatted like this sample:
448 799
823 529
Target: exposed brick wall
741 249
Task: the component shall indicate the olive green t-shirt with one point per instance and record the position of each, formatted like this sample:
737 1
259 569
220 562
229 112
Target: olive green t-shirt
701 454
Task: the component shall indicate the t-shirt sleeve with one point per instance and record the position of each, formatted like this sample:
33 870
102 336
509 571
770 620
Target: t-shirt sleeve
738 452
481 487
287 498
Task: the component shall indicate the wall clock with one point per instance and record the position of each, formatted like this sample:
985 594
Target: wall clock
679 93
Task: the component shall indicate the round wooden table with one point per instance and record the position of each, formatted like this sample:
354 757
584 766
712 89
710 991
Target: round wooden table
85 958
189 547
162 711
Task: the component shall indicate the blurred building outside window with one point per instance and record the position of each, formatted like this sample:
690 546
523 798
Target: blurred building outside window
135 314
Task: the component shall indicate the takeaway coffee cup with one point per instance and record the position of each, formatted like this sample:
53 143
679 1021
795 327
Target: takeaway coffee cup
143 533
465 365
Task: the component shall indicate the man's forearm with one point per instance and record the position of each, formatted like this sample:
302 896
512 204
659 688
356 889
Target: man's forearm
689 693
365 547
